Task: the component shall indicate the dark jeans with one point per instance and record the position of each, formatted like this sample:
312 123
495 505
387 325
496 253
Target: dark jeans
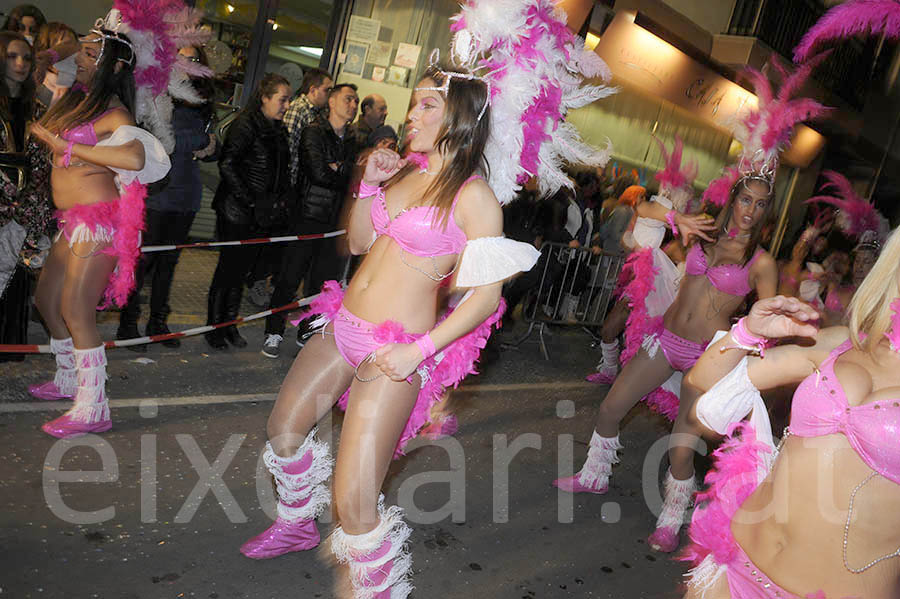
234 261
314 261
163 228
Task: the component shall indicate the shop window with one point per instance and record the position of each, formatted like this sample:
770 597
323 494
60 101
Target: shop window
387 46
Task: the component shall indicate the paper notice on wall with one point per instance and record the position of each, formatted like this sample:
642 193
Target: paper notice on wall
407 55
380 53
362 29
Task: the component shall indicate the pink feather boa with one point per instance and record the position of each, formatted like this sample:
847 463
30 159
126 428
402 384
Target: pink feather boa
662 401
735 477
125 216
635 284
452 365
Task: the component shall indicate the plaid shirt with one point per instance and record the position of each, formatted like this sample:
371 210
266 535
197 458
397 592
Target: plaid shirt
299 114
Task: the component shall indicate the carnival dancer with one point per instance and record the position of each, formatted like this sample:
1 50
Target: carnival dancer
720 274
433 218
649 278
811 519
859 221
101 165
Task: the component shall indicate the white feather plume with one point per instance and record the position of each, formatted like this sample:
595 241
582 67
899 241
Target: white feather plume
536 70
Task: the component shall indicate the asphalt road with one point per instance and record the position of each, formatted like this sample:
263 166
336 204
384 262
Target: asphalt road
158 506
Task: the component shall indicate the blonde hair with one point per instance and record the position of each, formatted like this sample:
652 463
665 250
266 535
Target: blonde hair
870 308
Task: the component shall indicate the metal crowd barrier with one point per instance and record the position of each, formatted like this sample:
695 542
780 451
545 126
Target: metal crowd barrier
575 289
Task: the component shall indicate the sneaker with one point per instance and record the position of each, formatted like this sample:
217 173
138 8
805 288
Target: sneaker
303 333
271 347
259 294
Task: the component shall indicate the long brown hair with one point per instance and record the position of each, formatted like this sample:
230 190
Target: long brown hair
26 92
461 139
76 107
756 235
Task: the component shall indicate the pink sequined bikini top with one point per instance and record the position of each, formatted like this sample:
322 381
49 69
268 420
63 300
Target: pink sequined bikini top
84 133
732 279
416 229
820 408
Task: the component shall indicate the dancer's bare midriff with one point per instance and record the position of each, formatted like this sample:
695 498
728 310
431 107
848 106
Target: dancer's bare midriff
699 309
792 526
81 183
386 287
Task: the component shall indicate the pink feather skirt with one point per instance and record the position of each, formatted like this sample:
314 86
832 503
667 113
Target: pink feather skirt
117 225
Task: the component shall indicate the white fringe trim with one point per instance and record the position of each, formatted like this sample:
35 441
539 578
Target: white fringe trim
82 233
602 454
319 498
651 345
307 484
678 497
91 404
704 576
65 378
352 549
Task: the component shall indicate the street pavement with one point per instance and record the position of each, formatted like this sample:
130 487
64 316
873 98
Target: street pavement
157 507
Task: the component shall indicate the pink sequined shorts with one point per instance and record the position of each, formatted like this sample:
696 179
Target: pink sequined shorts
354 337
680 353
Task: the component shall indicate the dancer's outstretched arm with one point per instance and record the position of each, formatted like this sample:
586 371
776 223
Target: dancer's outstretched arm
773 318
698 225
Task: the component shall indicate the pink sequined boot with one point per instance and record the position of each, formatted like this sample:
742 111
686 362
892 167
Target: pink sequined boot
594 475
608 366
380 563
679 494
301 498
90 414
65 381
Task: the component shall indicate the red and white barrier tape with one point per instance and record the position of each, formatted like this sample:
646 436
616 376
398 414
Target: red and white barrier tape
214 244
45 349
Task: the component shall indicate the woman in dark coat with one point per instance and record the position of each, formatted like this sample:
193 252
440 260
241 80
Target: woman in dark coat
252 198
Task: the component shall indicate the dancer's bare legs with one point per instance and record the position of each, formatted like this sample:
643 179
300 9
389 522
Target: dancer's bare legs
48 294
376 415
87 275
640 376
614 323
316 380
681 456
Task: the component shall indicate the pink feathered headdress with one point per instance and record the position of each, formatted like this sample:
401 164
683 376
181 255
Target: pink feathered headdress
535 69
766 131
676 178
857 17
157 29
856 217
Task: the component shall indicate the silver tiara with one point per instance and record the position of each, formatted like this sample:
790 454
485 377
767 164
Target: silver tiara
112 22
759 167
444 88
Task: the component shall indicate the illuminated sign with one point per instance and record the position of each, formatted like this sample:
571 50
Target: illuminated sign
638 57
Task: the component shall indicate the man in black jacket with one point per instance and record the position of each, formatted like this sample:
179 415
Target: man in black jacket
326 155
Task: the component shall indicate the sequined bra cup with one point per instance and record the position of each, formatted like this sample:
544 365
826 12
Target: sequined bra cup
417 230
85 133
873 429
732 279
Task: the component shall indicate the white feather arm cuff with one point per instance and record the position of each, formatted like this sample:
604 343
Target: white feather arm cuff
730 400
487 260
156 161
